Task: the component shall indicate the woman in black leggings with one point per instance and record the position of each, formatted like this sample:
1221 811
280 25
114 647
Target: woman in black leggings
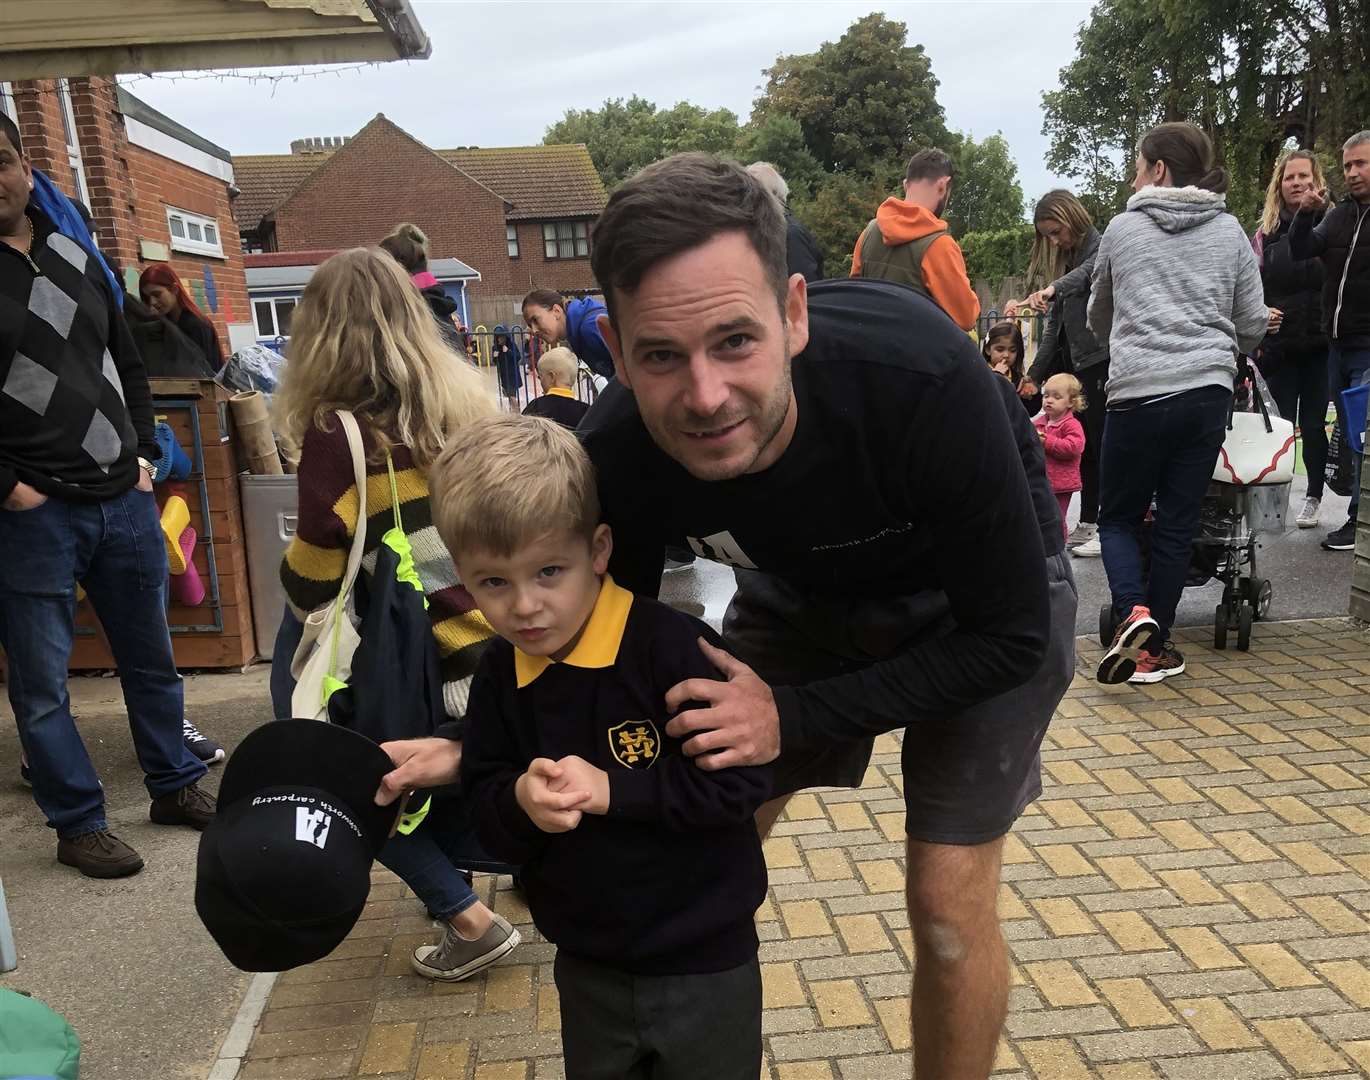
1293 357
1063 252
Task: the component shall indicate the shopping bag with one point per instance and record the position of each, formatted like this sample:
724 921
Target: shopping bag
323 659
1340 474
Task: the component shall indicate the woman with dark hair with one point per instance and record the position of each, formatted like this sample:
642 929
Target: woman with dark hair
1294 355
555 319
1063 250
408 246
161 289
1177 295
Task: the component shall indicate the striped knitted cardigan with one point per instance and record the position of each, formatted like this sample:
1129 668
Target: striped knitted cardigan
316 559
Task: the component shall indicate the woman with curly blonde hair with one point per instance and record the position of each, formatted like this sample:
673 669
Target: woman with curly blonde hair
364 341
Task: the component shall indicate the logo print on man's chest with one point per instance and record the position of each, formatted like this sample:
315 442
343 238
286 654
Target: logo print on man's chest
721 547
635 744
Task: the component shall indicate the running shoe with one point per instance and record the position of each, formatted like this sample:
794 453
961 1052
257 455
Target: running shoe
1153 667
1133 636
1082 532
1343 539
1089 549
203 747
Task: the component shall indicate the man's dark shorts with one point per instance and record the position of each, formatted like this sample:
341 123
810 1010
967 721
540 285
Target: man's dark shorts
967 777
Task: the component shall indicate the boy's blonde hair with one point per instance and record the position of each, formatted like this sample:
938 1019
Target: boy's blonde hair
503 482
558 367
1075 393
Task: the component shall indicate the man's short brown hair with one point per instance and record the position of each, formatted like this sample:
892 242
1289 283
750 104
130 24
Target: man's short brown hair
676 205
502 482
931 164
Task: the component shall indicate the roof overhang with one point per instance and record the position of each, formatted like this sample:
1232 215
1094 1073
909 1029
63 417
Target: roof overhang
266 274
43 39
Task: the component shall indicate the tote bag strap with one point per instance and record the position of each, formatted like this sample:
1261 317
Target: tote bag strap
354 557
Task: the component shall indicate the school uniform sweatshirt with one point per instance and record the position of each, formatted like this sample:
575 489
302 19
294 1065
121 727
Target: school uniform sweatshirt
1176 293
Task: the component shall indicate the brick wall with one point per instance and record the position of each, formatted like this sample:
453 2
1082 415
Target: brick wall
129 187
159 182
383 177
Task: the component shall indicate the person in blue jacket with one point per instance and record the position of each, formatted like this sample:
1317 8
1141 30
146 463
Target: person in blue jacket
555 319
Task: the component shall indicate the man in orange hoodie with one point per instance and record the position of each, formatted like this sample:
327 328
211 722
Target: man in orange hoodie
909 242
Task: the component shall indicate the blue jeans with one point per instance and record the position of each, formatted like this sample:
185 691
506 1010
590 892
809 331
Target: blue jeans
1164 450
116 549
426 860
1346 367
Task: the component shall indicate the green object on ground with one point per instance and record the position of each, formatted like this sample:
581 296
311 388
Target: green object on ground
35 1041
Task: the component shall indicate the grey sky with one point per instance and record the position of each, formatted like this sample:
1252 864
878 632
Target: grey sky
500 73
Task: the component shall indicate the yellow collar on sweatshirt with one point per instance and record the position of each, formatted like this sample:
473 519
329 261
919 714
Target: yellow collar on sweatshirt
599 641
560 391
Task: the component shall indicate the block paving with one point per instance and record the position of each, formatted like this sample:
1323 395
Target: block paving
1189 900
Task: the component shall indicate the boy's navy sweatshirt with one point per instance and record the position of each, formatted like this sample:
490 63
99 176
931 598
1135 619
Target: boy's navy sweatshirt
666 882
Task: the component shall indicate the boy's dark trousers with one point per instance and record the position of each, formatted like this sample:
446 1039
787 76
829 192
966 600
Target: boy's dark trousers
620 1026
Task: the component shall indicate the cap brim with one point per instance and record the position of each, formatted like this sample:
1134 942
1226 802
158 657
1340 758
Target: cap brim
315 754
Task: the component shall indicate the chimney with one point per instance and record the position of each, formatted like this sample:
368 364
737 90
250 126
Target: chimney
318 144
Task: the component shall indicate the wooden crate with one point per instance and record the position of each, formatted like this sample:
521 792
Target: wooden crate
234 645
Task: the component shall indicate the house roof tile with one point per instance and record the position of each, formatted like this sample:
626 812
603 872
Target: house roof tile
538 181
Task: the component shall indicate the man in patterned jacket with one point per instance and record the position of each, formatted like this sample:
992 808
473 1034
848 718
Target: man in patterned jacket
76 503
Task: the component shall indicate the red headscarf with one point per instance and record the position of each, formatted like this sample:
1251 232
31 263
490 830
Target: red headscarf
162 274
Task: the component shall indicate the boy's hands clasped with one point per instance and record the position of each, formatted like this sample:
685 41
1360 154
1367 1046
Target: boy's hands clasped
554 794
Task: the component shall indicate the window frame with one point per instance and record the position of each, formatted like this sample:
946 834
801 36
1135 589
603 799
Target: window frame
73 141
511 240
562 234
274 303
184 242
7 105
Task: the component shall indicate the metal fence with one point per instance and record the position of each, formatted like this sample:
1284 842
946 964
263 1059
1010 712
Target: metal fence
1029 322
517 383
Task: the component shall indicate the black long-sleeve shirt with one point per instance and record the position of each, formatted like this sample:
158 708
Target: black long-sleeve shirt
908 476
668 880
75 406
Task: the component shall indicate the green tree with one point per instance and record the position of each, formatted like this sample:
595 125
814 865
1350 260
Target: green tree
996 254
779 139
863 102
1256 75
840 208
986 195
622 136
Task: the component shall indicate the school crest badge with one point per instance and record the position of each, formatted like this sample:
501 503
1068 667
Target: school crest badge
635 744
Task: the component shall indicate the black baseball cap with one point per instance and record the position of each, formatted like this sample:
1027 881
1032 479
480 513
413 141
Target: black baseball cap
285 867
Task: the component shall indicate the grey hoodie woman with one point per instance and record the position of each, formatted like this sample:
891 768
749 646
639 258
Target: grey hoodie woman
1176 294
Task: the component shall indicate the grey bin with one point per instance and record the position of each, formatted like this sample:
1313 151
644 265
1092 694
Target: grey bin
271 506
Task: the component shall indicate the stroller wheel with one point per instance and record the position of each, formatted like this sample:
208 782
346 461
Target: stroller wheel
1245 615
1108 625
1259 592
1220 627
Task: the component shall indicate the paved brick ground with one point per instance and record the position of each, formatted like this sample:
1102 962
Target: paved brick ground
1190 899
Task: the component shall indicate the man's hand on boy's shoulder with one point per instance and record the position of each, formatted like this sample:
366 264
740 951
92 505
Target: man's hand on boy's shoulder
550 809
577 774
738 723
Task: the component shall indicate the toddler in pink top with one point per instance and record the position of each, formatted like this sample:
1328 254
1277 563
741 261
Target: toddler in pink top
1063 438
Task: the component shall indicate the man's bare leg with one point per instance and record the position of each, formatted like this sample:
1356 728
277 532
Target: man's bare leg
960 981
768 813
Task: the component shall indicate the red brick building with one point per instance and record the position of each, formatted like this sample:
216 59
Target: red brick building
520 216
157 191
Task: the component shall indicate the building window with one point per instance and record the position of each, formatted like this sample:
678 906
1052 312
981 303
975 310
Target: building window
7 102
78 170
193 233
565 239
511 240
273 317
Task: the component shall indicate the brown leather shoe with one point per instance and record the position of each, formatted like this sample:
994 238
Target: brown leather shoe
99 855
189 806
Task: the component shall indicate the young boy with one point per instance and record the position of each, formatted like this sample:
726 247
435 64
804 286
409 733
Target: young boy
643 868
557 373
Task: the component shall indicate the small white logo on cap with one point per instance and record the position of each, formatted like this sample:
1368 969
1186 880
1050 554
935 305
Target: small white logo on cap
311 826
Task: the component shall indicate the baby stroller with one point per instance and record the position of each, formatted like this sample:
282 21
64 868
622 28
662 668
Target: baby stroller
1233 516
